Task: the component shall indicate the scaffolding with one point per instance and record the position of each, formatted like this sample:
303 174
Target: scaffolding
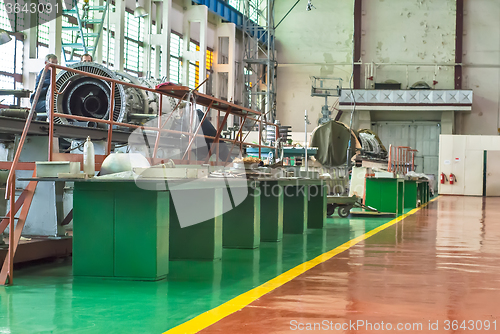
259 57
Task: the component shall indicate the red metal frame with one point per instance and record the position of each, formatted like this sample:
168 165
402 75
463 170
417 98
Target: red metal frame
404 160
23 203
179 92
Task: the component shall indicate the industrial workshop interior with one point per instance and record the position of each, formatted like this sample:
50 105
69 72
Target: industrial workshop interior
249 166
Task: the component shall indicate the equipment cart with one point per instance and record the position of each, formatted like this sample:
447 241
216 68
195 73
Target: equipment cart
343 203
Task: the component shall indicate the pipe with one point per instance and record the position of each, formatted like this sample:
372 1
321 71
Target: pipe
51 112
295 4
16 113
11 227
142 116
111 108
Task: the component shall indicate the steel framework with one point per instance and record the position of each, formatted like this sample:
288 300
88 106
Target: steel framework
259 57
401 159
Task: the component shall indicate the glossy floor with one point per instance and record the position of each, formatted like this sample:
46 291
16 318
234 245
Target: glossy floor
47 299
435 272
438 264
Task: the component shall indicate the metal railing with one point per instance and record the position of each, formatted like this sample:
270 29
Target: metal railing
401 160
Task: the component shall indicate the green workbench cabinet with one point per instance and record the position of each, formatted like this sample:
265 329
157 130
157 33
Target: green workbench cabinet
423 192
120 231
385 194
316 210
295 208
203 240
410 194
241 224
271 211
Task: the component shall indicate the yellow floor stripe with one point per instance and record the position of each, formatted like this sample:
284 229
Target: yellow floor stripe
210 317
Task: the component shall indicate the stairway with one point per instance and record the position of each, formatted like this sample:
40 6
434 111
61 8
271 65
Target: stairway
90 21
23 203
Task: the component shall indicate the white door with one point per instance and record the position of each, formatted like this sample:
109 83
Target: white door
492 173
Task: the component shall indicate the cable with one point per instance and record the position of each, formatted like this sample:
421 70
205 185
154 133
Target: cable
353 103
286 14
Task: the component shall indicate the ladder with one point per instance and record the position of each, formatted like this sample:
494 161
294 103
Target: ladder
88 29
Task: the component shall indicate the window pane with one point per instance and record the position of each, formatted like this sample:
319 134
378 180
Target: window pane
175 45
133 52
4 19
105 53
192 76
6 82
175 71
7 59
210 60
19 57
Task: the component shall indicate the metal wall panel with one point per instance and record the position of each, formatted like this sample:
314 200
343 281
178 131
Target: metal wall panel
423 136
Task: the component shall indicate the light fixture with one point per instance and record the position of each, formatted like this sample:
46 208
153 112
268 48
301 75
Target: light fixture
309 5
139 10
4 37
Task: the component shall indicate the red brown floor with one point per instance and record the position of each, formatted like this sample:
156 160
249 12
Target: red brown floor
437 271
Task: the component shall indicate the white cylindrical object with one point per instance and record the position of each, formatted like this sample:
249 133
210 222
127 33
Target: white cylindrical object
88 158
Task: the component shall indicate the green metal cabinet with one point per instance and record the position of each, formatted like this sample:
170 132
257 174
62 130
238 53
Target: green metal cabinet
295 209
201 241
120 231
271 210
385 194
316 210
410 194
241 224
301 205
423 191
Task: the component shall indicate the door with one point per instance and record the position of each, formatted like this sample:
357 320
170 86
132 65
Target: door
492 173
422 136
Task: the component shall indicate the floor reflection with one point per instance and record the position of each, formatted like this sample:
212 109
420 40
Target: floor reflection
435 267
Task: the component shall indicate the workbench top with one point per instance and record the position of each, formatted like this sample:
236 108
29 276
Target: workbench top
164 184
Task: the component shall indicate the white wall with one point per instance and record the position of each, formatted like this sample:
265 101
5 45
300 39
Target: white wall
482 66
310 43
464 157
396 32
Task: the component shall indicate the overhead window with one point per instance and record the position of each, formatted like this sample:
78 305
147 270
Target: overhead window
108 48
194 68
254 8
133 43
11 58
176 43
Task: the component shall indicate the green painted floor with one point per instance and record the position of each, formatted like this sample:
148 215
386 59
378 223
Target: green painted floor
47 299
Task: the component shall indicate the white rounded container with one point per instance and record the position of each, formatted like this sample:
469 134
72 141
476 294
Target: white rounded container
122 162
88 158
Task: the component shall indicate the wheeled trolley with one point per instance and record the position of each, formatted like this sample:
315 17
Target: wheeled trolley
343 203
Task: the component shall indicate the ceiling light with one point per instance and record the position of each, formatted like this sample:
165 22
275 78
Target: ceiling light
309 5
139 10
4 37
